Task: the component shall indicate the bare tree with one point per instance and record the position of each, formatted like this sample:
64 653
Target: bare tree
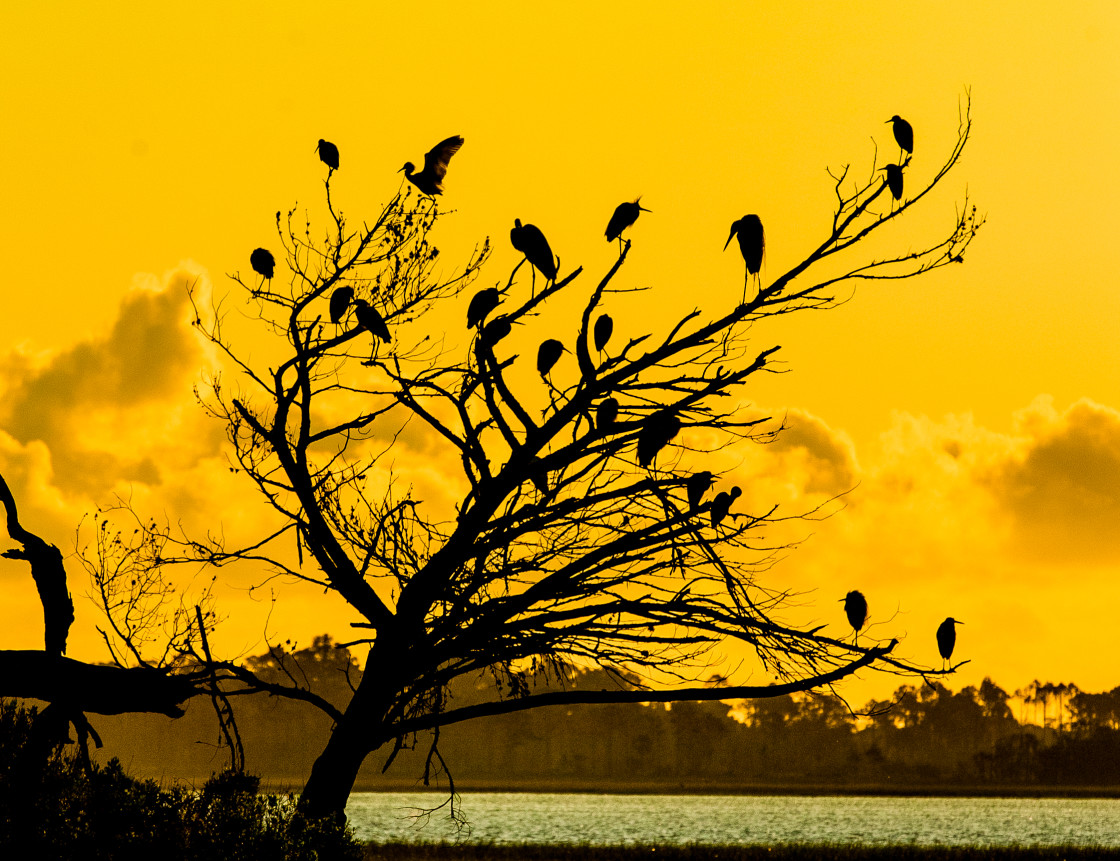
575 539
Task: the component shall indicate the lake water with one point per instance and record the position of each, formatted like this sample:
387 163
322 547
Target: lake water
502 817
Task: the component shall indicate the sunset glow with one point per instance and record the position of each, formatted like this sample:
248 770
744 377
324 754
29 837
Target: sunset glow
966 424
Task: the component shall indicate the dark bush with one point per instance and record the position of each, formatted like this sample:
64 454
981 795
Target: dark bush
52 807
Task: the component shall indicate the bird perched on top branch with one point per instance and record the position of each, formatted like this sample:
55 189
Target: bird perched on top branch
328 154
624 215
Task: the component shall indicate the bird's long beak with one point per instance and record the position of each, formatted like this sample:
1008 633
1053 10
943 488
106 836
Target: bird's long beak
643 209
729 238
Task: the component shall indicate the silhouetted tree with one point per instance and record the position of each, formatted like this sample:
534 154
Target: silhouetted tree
572 539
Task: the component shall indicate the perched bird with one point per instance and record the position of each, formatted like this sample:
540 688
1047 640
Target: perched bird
855 606
430 179
947 637
529 240
340 301
894 180
903 133
328 154
604 326
496 329
752 244
606 413
656 433
696 485
624 215
722 504
482 303
548 355
263 262
370 320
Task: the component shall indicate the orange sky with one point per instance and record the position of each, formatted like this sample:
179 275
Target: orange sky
977 411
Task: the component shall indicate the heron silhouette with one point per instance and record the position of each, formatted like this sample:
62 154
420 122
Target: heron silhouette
721 505
624 215
657 432
604 326
548 355
894 180
263 262
430 179
947 638
340 301
903 133
529 240
496 329
371 321
855 606
482 303
606 413
328 154
752 245
696 485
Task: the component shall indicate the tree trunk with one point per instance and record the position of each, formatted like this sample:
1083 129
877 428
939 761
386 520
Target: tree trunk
333 775
355 736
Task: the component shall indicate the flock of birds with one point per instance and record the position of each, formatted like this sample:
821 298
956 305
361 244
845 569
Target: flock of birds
855 607
661 426
531 241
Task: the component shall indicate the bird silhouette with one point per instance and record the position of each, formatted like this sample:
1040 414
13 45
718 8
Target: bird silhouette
894 180
722 504
370 320
482 303
263 262
696 485
903 133
340 301
604 326
548 355
430 179
529 240
496 329
328 154
752 245
947 638
624 215
855 606
606 413
657 432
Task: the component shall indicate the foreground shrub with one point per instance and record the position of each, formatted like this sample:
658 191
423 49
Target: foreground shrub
53 807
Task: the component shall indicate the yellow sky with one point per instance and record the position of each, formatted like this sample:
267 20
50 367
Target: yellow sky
976 409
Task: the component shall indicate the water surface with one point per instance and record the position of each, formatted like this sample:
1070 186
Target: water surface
503 817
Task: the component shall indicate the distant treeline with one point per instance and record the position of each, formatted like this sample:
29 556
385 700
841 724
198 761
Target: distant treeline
923 735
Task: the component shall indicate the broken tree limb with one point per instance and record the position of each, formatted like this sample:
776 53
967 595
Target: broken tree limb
100 689
48 573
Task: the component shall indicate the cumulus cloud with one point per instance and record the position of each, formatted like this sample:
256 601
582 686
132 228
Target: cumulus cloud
820 459
1060 484
118 407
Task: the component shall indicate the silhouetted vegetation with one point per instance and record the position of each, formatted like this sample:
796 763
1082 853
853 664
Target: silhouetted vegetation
52 805
924 735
